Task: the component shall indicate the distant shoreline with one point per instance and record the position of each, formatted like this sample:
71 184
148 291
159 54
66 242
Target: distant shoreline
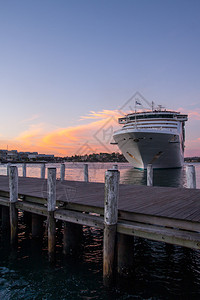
94 160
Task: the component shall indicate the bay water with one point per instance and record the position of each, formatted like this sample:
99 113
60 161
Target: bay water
162 271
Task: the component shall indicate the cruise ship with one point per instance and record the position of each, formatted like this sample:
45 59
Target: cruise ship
154 137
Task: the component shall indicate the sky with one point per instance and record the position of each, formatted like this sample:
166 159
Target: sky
70 68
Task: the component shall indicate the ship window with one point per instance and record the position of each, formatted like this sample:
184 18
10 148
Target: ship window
154 116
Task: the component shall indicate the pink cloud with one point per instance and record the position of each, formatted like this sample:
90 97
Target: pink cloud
83 138
192 114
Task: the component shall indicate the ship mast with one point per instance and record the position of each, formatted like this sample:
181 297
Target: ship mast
137 102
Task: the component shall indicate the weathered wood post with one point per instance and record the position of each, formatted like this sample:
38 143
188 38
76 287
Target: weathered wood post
149 175
51 206
24 170
5 222
115 167
62 172
8 167
13 188
191 177
72 235
42 170
125 254
110 225
36 225
86 172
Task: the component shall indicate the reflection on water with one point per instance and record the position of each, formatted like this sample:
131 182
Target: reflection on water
133 176
164 177
128 175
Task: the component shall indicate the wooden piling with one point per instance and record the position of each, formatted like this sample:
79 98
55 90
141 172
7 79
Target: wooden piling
24 170
42 175
125 257
110 225
86 173
51 206
13 187
72 235
5 221
37 226
149 175
191 177
27 219
62 172
8 167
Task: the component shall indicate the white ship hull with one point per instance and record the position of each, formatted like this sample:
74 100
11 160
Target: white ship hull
142 147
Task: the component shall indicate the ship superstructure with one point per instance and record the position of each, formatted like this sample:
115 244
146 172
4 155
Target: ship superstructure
154 137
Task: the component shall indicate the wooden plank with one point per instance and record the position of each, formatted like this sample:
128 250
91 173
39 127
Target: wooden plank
163 202
4 194
167 209
163 234
84 208
33 199
79 218
30 207
194 216
4 201
157 220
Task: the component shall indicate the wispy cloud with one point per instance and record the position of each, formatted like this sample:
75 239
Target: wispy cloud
192 114
83 138
34 131
102 114
30 119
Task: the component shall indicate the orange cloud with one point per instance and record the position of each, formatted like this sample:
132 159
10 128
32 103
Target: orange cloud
31 136
81 139
92 137
102 114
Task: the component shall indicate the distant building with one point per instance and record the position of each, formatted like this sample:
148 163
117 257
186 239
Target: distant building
3 155
47 157
12 155
33 156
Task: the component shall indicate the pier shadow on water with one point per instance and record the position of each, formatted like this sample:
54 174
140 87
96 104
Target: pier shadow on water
162 177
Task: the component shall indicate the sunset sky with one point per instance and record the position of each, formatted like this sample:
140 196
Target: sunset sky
69 67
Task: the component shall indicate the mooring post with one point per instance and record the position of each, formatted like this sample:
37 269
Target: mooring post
110 225
8 167
115 167
51 206
42 170
24 170
13 188
149 175
62 172
86 172
191 177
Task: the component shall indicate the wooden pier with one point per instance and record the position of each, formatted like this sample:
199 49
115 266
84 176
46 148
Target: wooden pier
170 215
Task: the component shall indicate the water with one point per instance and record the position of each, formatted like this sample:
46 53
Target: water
161 271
